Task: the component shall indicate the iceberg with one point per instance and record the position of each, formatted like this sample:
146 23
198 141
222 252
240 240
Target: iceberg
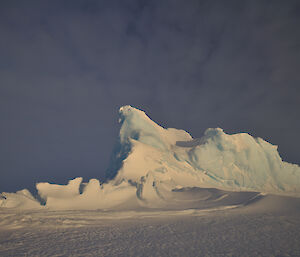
158 167
237 162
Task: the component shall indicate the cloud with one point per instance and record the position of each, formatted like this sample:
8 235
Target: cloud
66 66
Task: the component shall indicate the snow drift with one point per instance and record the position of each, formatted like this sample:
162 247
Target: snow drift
155 167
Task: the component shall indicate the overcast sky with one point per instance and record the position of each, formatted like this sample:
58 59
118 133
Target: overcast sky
67 66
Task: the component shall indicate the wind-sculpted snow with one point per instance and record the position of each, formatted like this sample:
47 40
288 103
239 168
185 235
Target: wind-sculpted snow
22 199
154 167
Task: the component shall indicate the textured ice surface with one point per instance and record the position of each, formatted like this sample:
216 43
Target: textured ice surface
171 156
151 164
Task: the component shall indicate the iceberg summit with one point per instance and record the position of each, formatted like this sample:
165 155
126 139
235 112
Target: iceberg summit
154 167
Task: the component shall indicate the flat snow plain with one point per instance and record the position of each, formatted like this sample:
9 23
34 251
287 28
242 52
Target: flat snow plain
244 225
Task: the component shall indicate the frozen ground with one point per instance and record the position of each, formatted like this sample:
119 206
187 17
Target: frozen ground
264 226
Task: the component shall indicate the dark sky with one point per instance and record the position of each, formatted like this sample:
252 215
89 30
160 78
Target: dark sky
67 66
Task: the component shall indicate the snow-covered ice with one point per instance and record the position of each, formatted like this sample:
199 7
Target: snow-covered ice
236 162
166 194
268 226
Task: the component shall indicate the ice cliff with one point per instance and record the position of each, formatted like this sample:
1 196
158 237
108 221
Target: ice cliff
150 163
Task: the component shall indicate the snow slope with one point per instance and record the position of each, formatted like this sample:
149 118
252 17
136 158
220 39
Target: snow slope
155 167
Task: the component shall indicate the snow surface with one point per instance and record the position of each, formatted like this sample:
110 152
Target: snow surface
150 164
267 226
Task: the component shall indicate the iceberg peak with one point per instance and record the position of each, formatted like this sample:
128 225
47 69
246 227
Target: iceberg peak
128 110
136 125
134 122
